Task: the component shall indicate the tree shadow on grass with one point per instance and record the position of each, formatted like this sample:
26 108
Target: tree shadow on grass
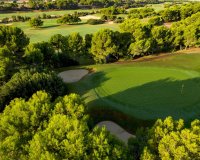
89 82
140 106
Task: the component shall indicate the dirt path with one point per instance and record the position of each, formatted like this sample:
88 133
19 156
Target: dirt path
116 130
71 76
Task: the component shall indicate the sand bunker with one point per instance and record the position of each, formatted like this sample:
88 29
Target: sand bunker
111 22
116 130
89 17
71 76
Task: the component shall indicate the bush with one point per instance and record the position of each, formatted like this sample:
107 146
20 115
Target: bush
36 22
95 21
108 17
119 20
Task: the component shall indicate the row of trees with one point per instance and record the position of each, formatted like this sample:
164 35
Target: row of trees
72 4
138 38
171 14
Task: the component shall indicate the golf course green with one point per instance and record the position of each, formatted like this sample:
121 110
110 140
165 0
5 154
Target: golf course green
145 91
149 92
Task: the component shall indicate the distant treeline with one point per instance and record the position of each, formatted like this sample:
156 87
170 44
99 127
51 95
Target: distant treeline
72 4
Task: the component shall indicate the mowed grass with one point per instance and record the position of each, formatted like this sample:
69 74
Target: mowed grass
145 91
51 27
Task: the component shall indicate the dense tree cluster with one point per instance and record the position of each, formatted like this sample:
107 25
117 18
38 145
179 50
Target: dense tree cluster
113 11
170 14
72 4
167 139
41 129
149 38
176 13
69 19
25 83
12 43
141 13
107 44
186 32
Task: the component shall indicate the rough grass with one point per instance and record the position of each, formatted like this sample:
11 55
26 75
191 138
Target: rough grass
144 91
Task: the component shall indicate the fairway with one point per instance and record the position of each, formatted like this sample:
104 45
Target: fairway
51 27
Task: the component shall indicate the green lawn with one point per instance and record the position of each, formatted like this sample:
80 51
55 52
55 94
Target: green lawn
145 91
51 28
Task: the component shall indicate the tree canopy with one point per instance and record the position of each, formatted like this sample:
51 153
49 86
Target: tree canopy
25 83
168 139
14 38
41 129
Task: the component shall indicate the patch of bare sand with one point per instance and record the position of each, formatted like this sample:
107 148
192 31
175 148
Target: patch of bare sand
168 25
71 76
9 24
116 130
89 17
111 22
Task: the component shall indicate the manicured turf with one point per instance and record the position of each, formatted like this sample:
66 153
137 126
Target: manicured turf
168 86
149 92
51 27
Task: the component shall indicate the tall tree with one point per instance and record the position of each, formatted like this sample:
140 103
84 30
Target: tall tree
103 45
163 38
14 38
75 45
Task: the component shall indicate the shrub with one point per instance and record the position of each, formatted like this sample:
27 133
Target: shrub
119 20
36 22
94 21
